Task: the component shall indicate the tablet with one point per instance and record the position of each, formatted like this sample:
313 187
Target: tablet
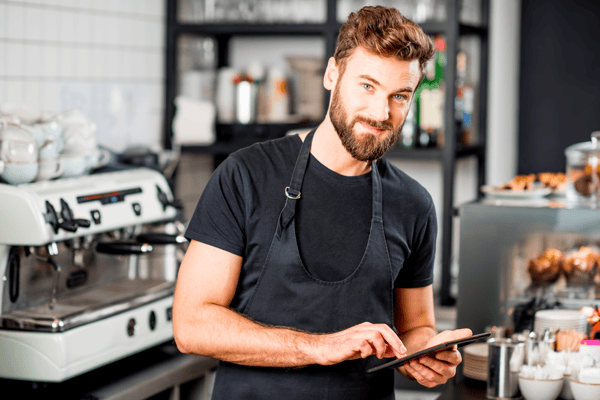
432 350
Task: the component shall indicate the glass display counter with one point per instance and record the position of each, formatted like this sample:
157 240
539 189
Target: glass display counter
520 255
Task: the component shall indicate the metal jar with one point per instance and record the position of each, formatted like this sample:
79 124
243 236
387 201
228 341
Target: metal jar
583 172
168 248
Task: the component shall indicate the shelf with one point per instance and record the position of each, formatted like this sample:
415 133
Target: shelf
472 30
247 28
476 150
252 29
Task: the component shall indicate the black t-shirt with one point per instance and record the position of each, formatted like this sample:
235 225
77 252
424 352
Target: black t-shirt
240 205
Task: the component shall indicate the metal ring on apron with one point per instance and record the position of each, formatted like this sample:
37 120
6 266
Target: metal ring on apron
288 195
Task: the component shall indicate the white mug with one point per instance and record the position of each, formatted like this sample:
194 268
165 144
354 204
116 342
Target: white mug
50 168
73 165
82 164
18 173
97 159
17 144
53 134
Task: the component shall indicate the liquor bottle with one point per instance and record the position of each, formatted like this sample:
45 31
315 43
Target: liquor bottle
464 102
430 98
408 135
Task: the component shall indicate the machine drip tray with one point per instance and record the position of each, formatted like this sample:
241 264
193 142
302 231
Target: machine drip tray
87 306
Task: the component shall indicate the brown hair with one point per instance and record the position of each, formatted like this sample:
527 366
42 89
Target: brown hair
386 33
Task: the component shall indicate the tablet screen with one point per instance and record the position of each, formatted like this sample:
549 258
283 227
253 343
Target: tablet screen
431 350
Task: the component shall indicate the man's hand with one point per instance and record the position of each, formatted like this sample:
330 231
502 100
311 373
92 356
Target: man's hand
433 371
359 341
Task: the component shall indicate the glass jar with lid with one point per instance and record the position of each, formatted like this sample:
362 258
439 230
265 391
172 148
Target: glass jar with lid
583 171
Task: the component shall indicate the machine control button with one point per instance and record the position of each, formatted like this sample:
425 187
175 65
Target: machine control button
169 313
69 222
137 209
96 216
51 216
131 327
164 200
152 320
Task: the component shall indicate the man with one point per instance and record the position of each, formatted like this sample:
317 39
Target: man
305 251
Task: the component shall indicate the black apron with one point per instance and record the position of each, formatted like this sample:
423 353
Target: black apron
287 295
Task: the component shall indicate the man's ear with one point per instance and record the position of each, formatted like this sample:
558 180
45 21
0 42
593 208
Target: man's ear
331 74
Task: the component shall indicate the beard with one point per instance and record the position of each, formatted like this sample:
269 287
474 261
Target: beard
361 147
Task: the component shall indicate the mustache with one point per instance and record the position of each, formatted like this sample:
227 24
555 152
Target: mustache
375 124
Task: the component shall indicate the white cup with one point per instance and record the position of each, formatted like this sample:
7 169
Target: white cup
73 165
82 164
47 140
53 136
17 144
49 168
18 173
97 159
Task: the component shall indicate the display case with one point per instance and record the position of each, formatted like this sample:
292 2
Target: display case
519 256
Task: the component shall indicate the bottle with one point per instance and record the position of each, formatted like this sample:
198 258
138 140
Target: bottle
430 98
408 135
464 103
278 96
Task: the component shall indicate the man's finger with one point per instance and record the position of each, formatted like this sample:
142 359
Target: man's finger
388 335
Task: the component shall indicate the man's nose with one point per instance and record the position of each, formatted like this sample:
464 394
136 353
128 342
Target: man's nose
379 110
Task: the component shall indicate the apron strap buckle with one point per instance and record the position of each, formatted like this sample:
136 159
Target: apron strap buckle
291 196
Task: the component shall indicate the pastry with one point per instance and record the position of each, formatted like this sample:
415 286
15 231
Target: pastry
556 181
579 267
569 340
546 268
520 182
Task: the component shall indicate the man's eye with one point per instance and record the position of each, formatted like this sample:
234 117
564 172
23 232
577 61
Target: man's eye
367 86
400 97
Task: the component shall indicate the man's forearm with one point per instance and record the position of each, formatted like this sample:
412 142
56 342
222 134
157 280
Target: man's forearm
222 333
219 332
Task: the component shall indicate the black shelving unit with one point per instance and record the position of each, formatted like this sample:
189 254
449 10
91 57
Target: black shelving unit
452 30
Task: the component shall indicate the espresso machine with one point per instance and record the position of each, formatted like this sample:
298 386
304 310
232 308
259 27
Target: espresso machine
83 283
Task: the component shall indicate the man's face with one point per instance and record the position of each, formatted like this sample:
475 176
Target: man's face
370 102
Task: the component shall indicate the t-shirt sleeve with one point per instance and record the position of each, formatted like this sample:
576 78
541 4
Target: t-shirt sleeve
218 219
417 270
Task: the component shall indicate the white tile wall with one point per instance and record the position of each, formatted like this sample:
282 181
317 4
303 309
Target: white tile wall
56 54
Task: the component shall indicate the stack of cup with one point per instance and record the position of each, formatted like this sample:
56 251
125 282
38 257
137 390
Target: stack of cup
48 135
80 153
18 153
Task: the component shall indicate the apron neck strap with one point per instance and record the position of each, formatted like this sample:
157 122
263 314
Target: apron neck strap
292 192
377 192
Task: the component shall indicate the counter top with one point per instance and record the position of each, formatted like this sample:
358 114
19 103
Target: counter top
137 377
